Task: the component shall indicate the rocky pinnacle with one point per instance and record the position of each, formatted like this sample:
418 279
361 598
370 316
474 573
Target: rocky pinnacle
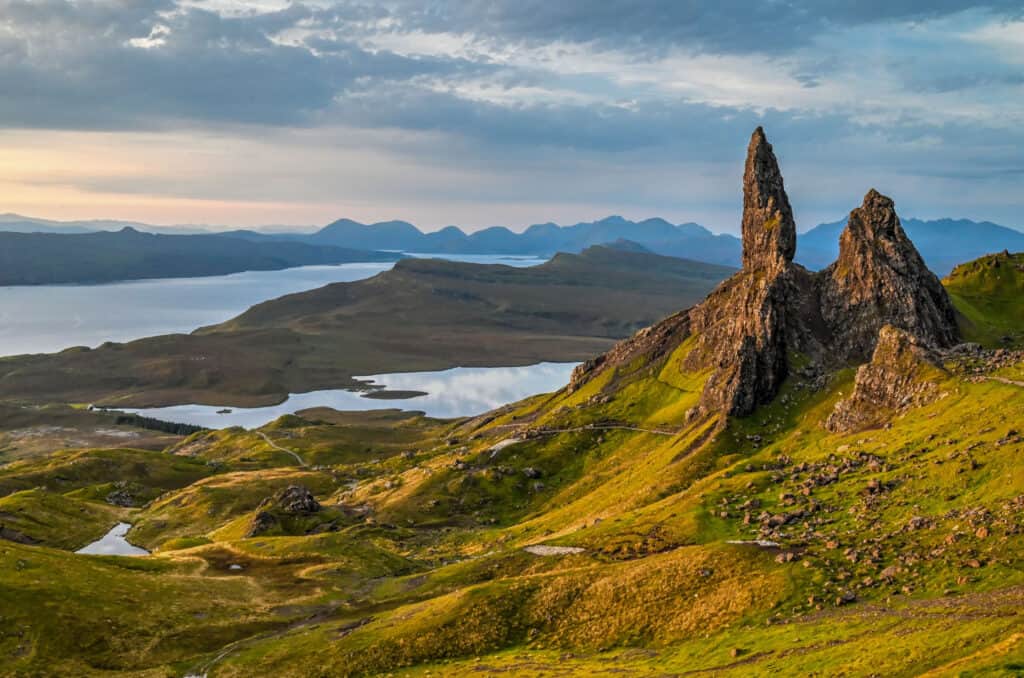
750 326
769 233
880 278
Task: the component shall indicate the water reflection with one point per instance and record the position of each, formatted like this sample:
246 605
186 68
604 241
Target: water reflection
113 543
458 392
48 318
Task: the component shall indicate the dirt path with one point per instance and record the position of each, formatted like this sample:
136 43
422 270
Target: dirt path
594 427
277 447
1004 380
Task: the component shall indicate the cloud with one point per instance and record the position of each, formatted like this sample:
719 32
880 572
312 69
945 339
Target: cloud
725 26
526 103
89 65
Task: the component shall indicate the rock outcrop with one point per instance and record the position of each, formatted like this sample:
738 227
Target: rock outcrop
749 327
296 500
769 232
894 380
744 327
881 279
293 501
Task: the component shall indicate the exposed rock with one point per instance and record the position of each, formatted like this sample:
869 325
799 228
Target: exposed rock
881 279
121 495
295 500
750 325
769 233
747 326
262 522
892 381
10 534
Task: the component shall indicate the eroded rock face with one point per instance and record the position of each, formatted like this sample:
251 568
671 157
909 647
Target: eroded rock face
769 232
891 382
742 338
744 327
750 325
881 279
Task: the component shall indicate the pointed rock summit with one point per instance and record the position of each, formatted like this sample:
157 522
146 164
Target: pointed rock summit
769 233
749 328
743 325
880 278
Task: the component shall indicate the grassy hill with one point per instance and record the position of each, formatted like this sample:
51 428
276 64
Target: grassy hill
422 315
764 545
54 258
987 292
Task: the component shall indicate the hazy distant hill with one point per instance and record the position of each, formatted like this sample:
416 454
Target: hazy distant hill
943 243
656 235
47 258
423 314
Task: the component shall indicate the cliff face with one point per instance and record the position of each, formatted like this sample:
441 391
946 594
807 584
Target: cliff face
881 279
749 327
746 327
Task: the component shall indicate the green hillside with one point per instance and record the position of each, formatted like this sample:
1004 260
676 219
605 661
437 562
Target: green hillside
987 292
754 546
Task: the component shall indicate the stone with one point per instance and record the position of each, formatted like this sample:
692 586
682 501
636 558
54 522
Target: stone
769 232
890 382
297 500
880 279
747 328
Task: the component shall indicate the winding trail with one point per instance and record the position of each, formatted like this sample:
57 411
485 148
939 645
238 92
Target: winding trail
277 447
594 427
1004 380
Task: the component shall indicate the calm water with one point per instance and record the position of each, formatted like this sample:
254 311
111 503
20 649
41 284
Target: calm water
113 543
49 318
458 392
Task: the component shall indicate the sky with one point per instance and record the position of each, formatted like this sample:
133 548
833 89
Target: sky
505 112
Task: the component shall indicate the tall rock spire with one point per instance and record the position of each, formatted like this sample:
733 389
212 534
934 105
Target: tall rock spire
743 325
769 232
746 331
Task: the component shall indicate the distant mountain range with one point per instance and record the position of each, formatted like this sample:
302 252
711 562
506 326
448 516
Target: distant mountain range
18 223
128 254
943 243
656 235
